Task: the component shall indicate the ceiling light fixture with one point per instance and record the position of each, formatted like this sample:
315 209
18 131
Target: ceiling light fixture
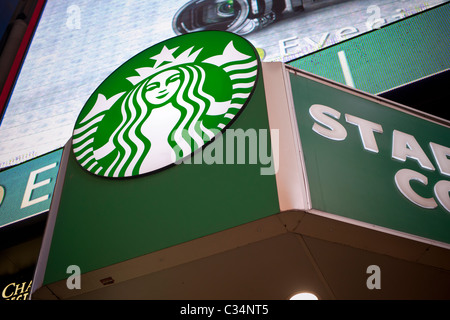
304 296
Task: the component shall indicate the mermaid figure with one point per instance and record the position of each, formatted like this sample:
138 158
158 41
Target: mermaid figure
162 121
167 115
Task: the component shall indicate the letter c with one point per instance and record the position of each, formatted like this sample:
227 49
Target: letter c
4 291
402 179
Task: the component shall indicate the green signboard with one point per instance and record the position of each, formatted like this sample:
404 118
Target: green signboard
217 184
26 190
295 144
369 161
396 54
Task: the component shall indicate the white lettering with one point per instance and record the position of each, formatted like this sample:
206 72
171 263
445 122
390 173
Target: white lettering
366 130
284 46
322 114
441 190
441 154
321 41
346 32
406 146
197 310
403 146
402 181
31 185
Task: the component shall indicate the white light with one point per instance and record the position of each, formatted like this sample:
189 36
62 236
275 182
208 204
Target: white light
304 296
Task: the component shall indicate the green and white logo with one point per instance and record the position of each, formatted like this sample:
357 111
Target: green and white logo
165 103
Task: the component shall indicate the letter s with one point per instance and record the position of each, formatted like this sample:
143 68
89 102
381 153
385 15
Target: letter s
330 128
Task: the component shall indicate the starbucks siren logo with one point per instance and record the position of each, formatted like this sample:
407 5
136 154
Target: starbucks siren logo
165 103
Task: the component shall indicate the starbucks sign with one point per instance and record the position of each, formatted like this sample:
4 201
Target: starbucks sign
165 103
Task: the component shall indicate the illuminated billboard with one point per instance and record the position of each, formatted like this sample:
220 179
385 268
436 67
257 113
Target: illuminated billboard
77 44
373 65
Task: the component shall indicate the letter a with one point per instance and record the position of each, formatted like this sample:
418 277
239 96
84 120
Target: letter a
74 281
374 281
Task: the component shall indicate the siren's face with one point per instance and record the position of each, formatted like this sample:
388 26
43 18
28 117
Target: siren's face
162 87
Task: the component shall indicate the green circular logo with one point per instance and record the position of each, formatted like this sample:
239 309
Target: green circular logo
165 103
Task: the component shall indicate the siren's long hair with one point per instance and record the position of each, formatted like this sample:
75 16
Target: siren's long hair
185 137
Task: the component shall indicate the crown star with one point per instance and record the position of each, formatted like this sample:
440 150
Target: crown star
166 55
164 60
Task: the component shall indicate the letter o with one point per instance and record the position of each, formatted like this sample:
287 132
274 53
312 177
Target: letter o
441 190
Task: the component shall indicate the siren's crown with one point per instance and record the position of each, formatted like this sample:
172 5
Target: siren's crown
165 59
